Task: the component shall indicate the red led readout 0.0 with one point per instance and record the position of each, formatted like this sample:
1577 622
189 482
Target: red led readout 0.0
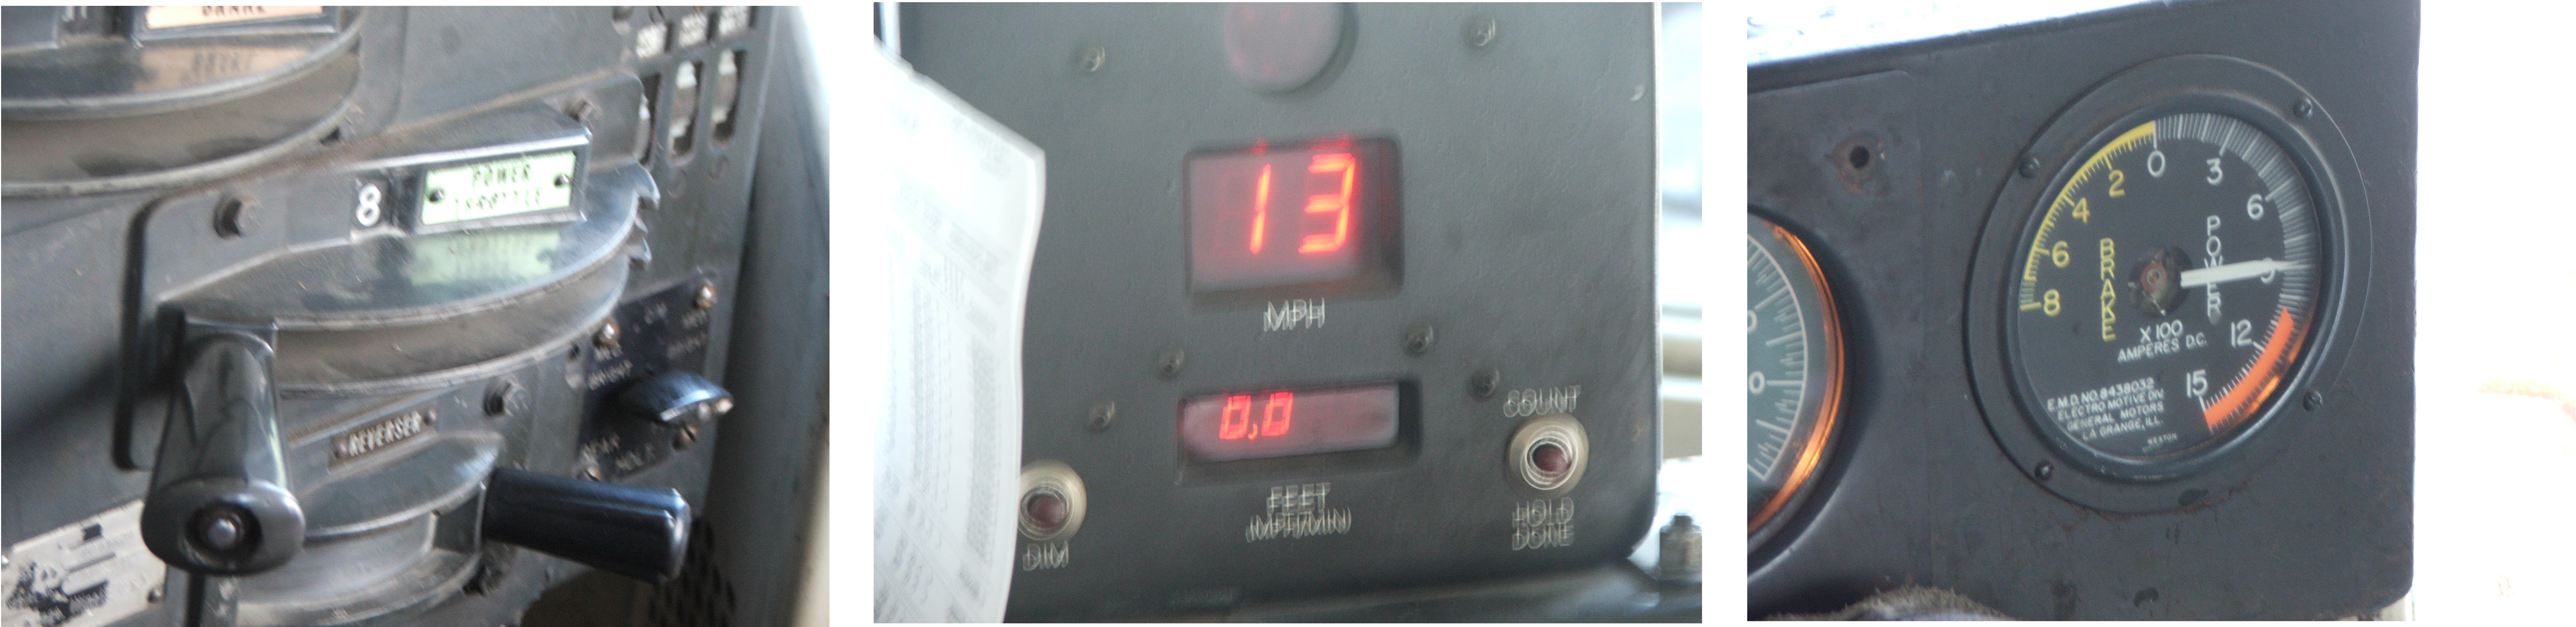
1280 423
1271 216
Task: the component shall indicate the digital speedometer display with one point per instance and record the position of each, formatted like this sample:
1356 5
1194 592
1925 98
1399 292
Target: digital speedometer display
2168 287
1315 213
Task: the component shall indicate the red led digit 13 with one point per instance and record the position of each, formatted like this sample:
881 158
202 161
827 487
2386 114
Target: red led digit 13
1235 421
1337 203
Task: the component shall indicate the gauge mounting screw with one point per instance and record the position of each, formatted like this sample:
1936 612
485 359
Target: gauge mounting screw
2306 107
2030 167
1484 382
1418 339
706 296
1090 59
2043 471
1481 31
2314 400
607 336
1168 364
688 435
1102 413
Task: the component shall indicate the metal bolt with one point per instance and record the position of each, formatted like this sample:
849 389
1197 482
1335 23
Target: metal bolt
590 473
223 529
580 109
2044 470
437 195
1169 363
1418 339
706 296
1102 413
1481 31
235 216
606 339
2030 167
688 435
2306 107
2314 400
1678 557
505 398
1484 382
153 596
1091 58
563 180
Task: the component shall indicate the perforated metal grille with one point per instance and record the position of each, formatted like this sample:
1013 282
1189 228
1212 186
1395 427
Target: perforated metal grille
701 596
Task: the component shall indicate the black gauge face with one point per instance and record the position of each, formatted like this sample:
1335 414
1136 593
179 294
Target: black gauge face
1793 368
2167 288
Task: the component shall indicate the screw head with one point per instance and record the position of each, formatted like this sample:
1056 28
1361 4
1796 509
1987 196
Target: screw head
1484 382
563 180
688 435
437 195
1090 59
505 398
1418 339
706 297
1481 31
2306 107
2030 167
1169 363
236 216
224 530
2044 470
2314 400
590 473
1102 413
606 339
153 596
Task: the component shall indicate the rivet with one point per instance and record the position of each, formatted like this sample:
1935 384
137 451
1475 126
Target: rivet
1102 413
2044 471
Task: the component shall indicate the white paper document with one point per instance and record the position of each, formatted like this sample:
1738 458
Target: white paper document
965 201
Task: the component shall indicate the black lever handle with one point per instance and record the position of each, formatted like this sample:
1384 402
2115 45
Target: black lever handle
634 531
676 396
218 502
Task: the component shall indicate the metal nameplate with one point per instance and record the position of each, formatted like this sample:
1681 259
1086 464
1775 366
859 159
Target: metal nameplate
88 573
501 187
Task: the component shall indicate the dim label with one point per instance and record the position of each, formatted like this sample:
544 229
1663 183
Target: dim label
1044 556
1298 511
1542 524
1541 401
1294 314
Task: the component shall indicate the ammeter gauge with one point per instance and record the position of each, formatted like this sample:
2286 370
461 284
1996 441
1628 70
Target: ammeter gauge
1793 370
2165 288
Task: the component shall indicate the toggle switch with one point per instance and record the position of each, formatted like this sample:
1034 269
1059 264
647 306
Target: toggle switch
675 396
1548 452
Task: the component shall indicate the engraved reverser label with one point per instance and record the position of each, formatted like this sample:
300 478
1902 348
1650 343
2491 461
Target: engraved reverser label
382 433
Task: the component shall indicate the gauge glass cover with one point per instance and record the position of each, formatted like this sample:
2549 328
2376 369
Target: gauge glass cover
1793 368
2167 289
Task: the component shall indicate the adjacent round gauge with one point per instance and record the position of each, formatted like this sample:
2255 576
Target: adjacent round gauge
1793 369
2161 274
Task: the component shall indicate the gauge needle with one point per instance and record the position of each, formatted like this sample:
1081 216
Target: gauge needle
2234 272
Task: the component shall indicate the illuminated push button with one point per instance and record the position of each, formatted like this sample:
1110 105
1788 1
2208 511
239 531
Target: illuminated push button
1046 510
1051 501
1276 48
1547 453
1550 459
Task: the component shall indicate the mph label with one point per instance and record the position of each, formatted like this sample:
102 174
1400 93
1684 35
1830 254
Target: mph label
1298 511
1293 314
